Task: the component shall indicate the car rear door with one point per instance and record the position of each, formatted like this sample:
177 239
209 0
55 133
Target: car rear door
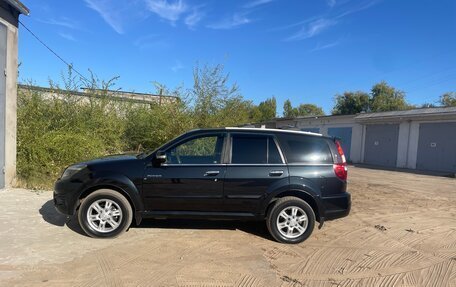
310 161
255 167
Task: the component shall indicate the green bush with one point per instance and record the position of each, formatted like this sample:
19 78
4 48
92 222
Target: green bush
59 129
56 132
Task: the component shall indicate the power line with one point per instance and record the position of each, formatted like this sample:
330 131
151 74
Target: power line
53 52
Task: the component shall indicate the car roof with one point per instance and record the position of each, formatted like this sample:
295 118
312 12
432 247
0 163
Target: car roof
258 130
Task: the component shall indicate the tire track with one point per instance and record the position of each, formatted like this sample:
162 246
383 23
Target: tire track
110 277
248 281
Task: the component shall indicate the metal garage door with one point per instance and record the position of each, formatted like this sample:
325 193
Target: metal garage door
312 130
381 145
437 147
345 135
3 31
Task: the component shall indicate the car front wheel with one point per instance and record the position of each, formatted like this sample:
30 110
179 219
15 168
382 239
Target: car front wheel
105 213
291 220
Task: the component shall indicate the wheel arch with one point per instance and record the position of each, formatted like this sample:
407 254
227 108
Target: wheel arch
304 195
89 190
122 185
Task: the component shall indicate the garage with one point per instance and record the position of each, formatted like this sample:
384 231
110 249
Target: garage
311 130
2 100
437 147
345 136
381 144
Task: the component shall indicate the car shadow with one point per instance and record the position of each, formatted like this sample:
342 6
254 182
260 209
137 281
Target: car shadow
406 170
51 216
257 228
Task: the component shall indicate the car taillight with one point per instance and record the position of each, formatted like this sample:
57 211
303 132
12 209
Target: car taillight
340 151
340 168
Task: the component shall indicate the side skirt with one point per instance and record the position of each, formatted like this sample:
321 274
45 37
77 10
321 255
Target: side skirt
201 215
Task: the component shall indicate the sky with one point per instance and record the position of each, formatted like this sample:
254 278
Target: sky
303 50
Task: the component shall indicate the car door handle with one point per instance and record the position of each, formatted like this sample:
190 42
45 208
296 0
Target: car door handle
212 173
275 172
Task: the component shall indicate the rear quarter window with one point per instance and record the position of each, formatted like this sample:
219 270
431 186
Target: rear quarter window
305 149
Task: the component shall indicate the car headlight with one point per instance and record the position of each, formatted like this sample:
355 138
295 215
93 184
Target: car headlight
72 170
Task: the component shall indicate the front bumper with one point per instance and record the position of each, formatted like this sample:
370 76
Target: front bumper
66 197
337 206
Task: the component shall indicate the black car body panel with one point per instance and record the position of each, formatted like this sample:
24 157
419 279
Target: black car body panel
115 172
218 185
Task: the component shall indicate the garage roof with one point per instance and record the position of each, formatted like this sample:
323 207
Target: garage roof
423 112
19 6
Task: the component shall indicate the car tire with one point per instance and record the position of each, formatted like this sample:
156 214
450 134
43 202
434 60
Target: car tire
105 213
290 220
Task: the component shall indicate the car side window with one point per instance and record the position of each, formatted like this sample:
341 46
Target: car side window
200 150
273 152
305 149
254 149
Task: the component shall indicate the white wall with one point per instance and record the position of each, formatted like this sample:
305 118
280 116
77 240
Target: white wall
413 145
403 144
10 104
357 142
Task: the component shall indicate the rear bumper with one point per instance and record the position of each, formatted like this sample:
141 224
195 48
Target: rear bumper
337 206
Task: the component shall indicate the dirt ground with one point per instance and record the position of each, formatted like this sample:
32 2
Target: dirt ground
401 232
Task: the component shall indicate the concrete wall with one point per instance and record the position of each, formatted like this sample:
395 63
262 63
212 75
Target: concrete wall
87 95
10 104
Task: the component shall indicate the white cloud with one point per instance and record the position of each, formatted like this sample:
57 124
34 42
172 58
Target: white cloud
316 25
234 21
331 3
62 22
108 12
150 41
194 18
67 36
177 66
325 46
255 3
357 8
168 10
312 29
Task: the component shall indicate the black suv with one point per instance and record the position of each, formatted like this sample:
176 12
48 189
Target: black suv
289 178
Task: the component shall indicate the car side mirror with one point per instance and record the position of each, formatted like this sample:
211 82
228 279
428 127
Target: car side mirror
160 157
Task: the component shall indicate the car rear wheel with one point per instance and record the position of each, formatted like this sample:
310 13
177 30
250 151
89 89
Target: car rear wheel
290 220
105 213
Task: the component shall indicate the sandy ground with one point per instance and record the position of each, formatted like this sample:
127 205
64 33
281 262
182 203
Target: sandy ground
401 232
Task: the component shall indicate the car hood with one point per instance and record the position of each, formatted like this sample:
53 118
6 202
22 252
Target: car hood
112 158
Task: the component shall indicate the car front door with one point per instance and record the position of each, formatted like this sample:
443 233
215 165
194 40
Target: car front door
256 168
191 179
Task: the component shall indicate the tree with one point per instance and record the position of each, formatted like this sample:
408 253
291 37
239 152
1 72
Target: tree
350 103
386 98
302 110
265 111
309 110
448 99
288 109
235 111
428 105
214 100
